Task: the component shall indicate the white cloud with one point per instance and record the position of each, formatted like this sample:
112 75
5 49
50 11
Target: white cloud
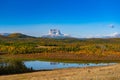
113 35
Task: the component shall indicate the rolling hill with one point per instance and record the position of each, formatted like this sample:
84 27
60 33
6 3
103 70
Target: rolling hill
19 35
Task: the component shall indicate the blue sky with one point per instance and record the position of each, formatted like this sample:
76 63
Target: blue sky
79 18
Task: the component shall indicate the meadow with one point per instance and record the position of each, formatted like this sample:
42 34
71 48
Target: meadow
61 49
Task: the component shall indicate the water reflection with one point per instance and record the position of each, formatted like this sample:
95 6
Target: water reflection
43 65
54 63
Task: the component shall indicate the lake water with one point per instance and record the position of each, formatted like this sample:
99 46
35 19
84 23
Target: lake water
15 66
44 65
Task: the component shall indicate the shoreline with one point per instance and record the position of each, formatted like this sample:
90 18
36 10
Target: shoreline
60 57
109 72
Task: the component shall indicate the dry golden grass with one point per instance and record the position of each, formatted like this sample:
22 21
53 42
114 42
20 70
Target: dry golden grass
65 56
89 73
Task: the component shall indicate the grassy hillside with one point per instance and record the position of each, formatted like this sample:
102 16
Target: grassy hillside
19 35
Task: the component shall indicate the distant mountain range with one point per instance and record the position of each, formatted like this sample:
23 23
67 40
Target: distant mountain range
53 33
14 35
5 34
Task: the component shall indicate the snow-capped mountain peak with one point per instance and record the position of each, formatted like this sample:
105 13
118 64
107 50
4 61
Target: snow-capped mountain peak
55 33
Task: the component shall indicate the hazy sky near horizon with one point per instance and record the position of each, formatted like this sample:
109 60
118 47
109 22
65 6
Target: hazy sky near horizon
79 18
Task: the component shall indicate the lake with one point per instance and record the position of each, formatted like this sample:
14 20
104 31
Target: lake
15 66
45 65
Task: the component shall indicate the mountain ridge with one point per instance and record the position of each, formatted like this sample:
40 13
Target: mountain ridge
15 35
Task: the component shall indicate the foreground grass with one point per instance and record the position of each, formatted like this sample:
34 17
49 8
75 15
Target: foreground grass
89 73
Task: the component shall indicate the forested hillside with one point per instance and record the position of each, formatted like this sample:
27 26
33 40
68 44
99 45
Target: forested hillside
68 45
